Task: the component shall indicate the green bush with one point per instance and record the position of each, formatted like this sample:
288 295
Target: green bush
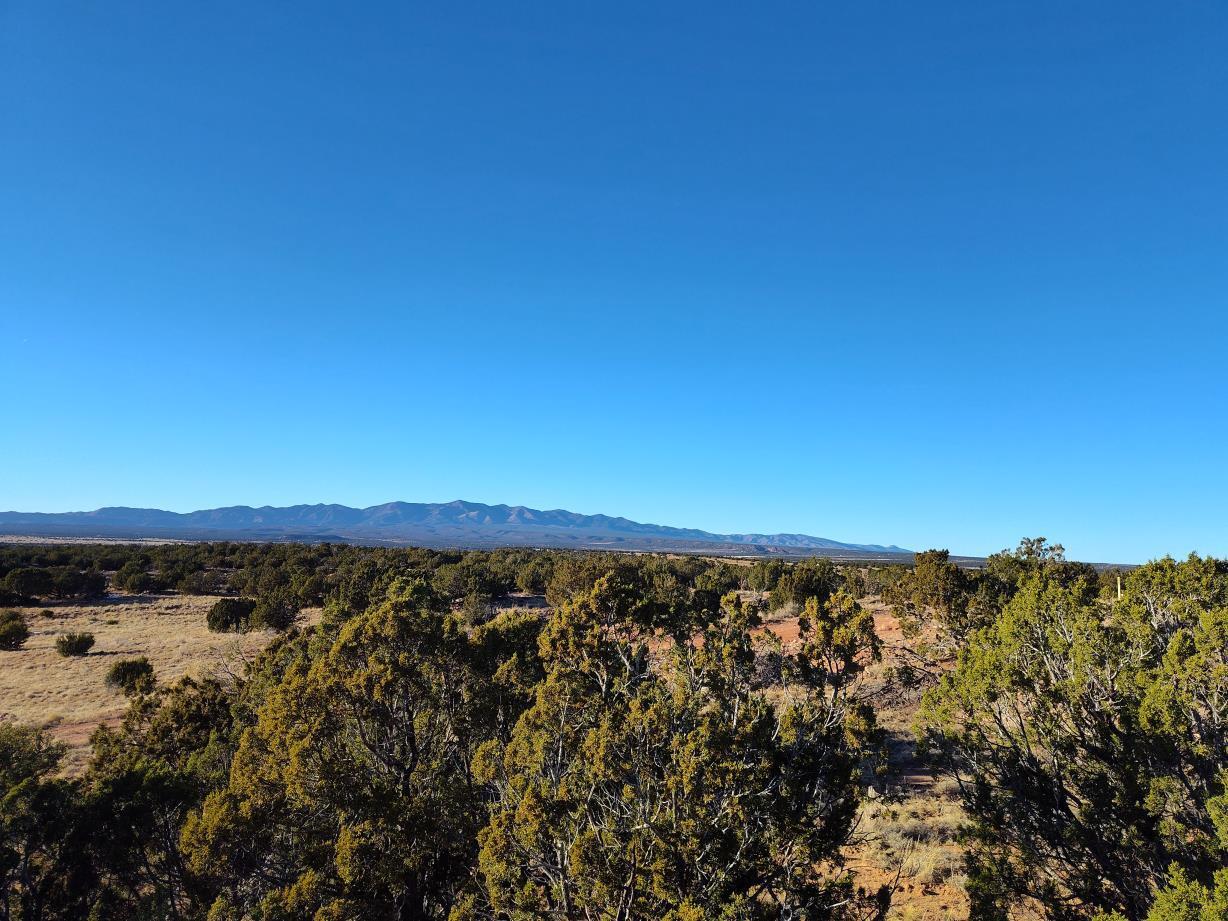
278 610
199 583
67 582
231 615
133 577
131 675
13 630
74 644
28 582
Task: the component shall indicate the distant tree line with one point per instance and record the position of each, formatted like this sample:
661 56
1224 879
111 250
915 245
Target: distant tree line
282 578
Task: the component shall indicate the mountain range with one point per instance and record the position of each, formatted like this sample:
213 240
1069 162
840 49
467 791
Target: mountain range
430 524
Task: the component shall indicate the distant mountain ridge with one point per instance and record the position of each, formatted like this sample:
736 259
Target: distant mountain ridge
433 524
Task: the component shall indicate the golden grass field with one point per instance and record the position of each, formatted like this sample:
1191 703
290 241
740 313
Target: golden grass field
68 695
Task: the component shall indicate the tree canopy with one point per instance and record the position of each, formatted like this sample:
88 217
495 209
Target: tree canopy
1089 740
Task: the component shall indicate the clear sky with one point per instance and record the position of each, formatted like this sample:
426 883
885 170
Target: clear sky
933 274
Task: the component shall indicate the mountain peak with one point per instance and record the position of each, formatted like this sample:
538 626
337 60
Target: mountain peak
459 523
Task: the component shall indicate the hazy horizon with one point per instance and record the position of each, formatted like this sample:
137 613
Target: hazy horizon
852 540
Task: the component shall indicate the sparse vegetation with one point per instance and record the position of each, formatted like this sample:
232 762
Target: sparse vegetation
74 644
14 631
231 615
131 676
647 741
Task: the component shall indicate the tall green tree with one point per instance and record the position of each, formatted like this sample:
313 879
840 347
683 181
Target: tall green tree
1090 741
143 780
675 790
43 835
352 795
818 578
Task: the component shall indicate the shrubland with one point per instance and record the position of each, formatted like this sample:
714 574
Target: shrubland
522 734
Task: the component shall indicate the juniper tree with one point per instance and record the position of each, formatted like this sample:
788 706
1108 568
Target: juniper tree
633 789
1091 742
352 794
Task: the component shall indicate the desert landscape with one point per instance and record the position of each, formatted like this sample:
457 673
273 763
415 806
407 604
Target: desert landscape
614 461
68 695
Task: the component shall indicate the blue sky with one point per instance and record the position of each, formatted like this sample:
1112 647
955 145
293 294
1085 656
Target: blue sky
940 274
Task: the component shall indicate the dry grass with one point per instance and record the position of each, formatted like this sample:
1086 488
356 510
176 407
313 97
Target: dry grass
911 831
917 834
69 697
914 838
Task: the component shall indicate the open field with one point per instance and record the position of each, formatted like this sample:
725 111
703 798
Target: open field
68 695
